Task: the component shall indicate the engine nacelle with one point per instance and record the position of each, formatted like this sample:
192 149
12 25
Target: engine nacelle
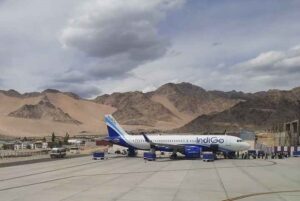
214 147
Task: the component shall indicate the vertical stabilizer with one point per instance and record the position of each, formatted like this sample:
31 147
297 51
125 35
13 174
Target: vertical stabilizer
113 128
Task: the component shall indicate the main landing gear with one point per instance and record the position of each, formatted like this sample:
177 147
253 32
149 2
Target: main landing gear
229 155
173 156
131 152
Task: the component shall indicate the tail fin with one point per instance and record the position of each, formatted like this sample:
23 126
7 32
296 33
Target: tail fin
113 128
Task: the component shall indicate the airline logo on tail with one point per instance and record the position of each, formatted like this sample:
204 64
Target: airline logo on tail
110 119
113 127
116 132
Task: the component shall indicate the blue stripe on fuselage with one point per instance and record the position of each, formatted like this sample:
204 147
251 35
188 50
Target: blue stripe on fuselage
114 126
203 147
118 138
115 138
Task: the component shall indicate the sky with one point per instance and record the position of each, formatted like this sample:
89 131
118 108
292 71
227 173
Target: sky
94 47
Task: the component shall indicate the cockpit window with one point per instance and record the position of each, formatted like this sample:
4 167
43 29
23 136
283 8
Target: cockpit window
239 140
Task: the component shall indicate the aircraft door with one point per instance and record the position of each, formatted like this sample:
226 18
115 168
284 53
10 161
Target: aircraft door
227 142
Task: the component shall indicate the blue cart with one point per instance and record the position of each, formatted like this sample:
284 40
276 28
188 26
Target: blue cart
98 155
208 156
149 156
296 153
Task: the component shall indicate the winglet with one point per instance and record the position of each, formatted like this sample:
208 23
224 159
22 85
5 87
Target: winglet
146 138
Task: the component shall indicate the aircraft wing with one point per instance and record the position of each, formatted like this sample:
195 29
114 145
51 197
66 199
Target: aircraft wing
162 145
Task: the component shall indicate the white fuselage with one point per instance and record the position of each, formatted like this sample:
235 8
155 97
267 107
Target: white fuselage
224 142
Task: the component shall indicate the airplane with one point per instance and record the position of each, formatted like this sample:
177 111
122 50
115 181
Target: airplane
183 144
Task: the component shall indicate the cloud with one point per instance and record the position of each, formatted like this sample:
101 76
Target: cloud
268 70
30 54
118 36
87 90
283 62
96 46
216 43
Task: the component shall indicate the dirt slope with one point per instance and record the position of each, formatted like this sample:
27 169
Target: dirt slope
32 114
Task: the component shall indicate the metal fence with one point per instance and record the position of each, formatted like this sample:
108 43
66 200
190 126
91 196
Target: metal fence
276 149
4 154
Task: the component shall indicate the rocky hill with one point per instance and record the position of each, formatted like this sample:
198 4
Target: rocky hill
136 108
11 92
45 110
41 113
14 93
181 108
194 100
170 106
261 111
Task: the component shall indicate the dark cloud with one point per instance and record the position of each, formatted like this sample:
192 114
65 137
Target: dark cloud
118 35
120 39
71 76
97 69
117 45
216 44
86 90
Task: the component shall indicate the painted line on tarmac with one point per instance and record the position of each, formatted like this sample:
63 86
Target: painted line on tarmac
73 166
48 171
221 181
252 177
259 194
69 177
39 160
117 173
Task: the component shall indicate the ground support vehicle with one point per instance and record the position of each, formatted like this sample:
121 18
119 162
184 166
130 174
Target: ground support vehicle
58 152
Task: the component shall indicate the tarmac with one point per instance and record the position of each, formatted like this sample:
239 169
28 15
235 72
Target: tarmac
133 179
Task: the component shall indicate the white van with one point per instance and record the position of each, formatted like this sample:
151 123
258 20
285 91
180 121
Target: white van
74 150
58 153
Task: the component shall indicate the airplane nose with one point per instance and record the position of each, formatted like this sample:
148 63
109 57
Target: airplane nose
247 146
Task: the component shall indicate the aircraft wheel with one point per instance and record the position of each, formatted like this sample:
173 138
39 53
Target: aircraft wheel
173 156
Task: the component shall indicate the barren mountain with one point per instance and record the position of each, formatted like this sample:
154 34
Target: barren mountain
30 114
136 108
11 93
193 100
179 107
44 109
261 111
170 106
